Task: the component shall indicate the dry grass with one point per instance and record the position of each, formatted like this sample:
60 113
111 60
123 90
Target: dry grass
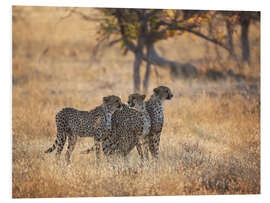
211 139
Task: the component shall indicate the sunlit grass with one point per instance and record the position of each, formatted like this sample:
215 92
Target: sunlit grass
210 142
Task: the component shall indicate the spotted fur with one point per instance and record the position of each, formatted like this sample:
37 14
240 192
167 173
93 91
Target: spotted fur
96 123
155 109
129 129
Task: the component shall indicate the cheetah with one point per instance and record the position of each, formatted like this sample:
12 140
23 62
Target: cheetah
129 129
96 123
155 109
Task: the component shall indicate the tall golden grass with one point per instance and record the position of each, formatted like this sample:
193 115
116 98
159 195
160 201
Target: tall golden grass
210 143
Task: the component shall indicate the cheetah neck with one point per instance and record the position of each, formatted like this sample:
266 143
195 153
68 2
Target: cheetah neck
108 117
157 106
141 108
156 100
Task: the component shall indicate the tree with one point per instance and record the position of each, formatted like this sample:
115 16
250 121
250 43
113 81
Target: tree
244 20
138 30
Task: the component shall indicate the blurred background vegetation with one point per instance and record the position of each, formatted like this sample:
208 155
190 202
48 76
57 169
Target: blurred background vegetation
141 29
215 44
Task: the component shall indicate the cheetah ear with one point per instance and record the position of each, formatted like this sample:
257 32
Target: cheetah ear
105 99
143 96
156 90
129 98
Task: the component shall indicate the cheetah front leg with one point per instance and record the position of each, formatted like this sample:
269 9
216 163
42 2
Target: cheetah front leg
60 141
97 147
126 162
139 149
154 140
71 145
142 149
146 147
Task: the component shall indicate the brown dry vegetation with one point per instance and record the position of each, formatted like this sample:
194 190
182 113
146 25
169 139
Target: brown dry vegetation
211 138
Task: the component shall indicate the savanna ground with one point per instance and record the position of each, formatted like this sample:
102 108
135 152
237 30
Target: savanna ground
210 143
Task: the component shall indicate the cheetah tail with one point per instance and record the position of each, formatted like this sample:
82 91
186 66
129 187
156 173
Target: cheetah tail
51 148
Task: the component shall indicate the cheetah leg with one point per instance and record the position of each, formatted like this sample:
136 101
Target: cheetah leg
60 141
71 145
112 160
97 147
145 148
126 162
139 149
154 144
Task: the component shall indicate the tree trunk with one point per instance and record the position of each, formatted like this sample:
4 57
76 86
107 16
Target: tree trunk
230 37
137 64
139 52
244 40
136 71
148 70
229 27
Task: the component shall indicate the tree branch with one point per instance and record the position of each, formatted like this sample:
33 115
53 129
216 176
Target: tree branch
130 45
215 41
96 48
199 34
111 43
86 17
176 68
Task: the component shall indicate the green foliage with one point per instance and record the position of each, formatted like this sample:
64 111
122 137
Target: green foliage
160 24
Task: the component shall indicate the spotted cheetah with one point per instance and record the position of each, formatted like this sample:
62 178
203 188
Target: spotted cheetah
155 109
96 123
129 129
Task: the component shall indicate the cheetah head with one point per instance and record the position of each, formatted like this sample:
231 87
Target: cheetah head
112 103
163 93
136 101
